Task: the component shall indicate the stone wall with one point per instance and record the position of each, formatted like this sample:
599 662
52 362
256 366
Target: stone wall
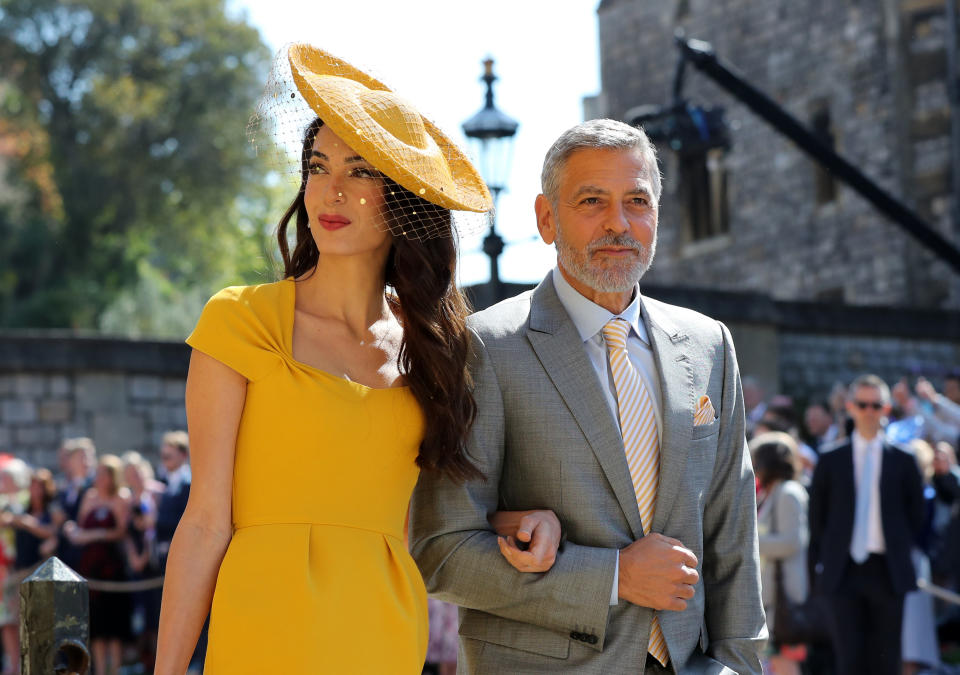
123 394
811 364
804 348
878 68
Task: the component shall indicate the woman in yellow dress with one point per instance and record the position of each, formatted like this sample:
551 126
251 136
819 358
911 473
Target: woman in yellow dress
314 402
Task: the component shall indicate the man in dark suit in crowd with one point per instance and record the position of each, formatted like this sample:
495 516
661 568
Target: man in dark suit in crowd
78 457
174 455
866 508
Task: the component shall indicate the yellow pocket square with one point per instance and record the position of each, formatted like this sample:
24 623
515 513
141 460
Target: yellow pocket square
704 413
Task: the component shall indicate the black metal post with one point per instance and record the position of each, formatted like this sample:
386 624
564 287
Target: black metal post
54 621
493 247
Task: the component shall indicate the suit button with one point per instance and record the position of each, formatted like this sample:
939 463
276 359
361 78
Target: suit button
592 639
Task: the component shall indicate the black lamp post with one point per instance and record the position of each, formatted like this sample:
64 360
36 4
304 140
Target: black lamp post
491 133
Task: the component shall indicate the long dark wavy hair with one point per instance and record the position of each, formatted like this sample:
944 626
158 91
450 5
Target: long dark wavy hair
433 353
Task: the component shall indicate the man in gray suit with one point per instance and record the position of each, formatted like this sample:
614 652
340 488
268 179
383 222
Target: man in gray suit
551 410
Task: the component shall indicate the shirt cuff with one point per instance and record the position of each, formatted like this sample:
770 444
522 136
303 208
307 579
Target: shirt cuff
614 595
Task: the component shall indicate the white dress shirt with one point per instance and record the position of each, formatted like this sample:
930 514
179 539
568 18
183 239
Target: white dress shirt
180 476
861 446
589 319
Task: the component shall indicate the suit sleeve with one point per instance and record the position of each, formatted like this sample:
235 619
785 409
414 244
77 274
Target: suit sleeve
948 486
456 549
817 516
916 507
731 567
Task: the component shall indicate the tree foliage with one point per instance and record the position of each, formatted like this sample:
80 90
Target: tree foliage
128 174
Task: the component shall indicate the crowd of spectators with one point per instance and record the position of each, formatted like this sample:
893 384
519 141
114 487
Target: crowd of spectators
111 519
789 444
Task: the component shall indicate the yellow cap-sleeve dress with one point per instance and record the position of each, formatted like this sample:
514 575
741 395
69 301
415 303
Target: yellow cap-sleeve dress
317 578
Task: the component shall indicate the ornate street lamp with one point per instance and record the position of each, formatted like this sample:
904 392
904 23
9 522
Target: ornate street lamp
491 134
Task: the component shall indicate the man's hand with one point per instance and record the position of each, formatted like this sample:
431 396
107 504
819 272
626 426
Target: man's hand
901 394
539 530
925 390
657 572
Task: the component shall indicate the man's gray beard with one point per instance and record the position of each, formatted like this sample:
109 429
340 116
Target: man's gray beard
615 277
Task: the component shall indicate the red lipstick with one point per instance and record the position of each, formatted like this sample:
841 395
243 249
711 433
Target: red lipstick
330 222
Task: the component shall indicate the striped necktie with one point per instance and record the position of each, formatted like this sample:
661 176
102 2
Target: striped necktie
641 443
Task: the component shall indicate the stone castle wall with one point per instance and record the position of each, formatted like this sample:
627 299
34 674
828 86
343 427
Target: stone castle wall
878 68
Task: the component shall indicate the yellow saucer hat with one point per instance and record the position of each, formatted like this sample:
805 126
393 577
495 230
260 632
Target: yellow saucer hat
387 131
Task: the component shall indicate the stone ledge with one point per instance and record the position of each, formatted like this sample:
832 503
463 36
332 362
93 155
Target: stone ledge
814 317
35 351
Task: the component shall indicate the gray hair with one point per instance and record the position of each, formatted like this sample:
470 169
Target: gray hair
874 381
596 134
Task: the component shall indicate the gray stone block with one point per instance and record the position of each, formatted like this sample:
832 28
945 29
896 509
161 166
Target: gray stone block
4 438
75 430
18 411
118 432
60 386
174 389
101 393
35 435
29 386
177 417
42 457
145 388
56 411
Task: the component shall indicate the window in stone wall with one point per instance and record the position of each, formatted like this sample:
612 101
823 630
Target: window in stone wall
704 189
824 184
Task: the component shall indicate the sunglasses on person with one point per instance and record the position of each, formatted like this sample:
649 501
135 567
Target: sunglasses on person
863 405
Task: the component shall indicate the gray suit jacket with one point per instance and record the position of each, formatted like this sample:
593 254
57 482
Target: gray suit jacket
545 438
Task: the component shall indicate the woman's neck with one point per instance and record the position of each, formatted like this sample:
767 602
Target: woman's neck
345 288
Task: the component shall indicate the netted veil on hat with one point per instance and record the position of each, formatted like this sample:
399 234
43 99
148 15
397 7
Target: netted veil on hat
307 83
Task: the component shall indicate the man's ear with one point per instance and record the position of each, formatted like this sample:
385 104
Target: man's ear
546 219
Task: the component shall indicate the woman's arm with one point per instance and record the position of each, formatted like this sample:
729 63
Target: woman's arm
81 536
32 524
215 397
86 504
137 561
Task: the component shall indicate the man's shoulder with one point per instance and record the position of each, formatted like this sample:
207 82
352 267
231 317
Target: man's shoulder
901 452
832 448
507 318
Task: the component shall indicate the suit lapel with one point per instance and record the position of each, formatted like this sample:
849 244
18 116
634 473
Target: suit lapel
669 345
846 478
886 478
557 344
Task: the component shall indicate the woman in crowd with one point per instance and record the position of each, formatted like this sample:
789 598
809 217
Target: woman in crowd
14 480
99 531
34 541
140 549
314 402
783 536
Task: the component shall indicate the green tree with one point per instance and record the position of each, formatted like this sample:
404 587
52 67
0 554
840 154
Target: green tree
128 174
